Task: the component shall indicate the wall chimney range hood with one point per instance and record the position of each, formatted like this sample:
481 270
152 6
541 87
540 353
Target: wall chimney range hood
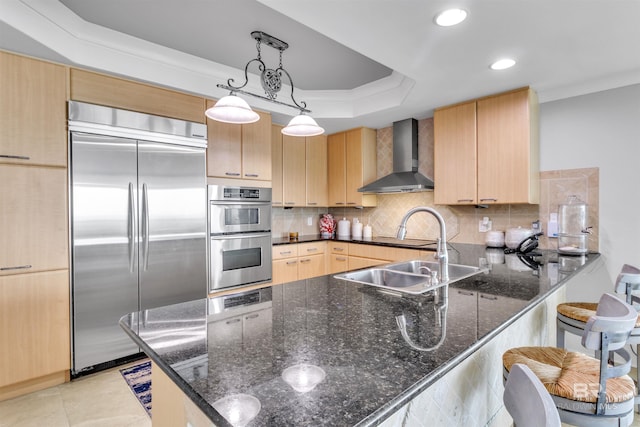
405 177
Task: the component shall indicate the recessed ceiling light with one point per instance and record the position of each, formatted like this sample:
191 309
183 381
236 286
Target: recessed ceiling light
503 64
450 17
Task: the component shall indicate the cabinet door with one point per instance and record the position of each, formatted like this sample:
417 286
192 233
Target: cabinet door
507 161
34 325
33 117
360 166
33 224
316 171
455 155
311 266
337 169
356 263
224 148
285 270
256 148
293 171
276 166
338 263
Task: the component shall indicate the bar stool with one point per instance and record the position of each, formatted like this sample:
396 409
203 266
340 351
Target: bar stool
573 316
587 391
527 401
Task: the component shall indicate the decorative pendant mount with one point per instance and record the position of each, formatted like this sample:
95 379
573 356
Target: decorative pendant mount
270 79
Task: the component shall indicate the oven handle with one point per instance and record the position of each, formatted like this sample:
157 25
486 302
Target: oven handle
240 235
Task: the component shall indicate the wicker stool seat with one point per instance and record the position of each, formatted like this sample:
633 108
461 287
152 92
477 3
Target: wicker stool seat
560 370
582 311
588 391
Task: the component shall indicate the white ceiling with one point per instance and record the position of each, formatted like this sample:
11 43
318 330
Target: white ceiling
355 62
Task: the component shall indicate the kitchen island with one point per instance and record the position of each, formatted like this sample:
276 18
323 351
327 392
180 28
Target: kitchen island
267 344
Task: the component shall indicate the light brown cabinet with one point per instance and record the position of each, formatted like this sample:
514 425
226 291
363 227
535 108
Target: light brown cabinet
351 164
299 170
298 261
95 88
499 134
338 257
239 151
34 221
33 116
34 331
294 192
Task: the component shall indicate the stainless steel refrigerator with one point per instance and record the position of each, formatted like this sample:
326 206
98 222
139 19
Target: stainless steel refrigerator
138 223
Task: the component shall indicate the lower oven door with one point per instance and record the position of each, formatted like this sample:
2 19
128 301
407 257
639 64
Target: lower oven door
239 259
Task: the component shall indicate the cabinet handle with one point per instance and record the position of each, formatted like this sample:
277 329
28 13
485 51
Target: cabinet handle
339 203
17 267
252 316
488 200
276 203
285 253
339 258
489 297
312 203
291 262
289 203
251 175
465 200
232 173
338 249
468 293
229 322
351 203
10 156
305 260
312 249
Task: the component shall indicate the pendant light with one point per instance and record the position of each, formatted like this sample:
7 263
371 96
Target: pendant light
232 109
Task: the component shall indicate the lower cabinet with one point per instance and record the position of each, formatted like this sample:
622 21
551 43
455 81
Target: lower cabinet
338 257
34 331
298 261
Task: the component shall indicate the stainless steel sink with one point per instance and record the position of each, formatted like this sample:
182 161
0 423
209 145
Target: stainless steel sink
456 271
412 277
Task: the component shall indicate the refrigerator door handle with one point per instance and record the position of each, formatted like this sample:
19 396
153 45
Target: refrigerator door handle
145 225
132 229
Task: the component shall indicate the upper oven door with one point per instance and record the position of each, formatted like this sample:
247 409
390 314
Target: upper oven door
233 217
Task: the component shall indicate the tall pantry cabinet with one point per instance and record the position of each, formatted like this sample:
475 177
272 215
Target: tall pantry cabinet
34 264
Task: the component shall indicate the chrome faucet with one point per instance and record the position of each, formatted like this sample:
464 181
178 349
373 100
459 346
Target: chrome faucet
441 253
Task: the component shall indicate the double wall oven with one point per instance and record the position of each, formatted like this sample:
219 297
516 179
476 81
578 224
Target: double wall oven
240 236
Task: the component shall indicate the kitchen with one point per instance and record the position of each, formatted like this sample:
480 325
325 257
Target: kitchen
599 123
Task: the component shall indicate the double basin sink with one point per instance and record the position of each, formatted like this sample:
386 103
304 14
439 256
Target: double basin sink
412 277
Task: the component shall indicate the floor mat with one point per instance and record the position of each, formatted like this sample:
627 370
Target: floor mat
138 377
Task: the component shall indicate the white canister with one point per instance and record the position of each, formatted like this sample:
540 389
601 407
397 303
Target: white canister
344 228
514 236
367 232
356 229
494 239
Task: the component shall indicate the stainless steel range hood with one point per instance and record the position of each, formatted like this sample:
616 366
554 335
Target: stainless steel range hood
405 176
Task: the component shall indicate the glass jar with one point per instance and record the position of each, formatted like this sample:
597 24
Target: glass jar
572 227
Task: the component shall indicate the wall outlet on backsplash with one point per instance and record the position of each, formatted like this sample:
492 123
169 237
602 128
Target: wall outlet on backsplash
484 225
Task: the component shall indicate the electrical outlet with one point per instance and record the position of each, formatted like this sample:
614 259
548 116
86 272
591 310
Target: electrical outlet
309 220
484 225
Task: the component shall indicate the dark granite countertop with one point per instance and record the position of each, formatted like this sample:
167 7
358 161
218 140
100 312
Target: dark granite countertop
242 343
429 245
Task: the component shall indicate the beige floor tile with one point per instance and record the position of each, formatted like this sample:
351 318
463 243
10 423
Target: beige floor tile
41 408
103 399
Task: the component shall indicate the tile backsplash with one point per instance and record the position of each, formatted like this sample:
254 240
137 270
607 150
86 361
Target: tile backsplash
461 221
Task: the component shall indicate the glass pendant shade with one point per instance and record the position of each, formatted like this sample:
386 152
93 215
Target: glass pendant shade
302 125
232 109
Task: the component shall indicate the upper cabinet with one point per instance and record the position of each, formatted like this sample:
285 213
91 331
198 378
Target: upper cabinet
115 92
487 150
239 151
351 164
32 90
299 170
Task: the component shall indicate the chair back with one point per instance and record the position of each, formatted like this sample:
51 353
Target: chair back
526 399
615 318
627 282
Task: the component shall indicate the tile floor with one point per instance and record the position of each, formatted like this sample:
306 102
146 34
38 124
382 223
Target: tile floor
100 400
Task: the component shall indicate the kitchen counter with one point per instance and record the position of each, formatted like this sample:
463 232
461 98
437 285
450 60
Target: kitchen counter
243 342
429 245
